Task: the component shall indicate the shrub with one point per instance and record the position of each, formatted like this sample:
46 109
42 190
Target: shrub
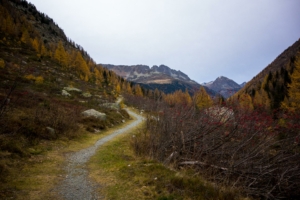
30 77
2 63
39 80
246 151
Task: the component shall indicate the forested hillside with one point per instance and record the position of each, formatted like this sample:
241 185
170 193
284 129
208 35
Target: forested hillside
270 87
250 141
50 89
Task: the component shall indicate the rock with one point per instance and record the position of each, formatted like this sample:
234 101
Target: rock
65 93
123 121
70 89
51 132
221 114
86 94
96 130
98 96
94 113
113 106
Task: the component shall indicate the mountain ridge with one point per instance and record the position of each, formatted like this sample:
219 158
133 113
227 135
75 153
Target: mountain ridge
170 80
138 73
272 83
224 86
161 77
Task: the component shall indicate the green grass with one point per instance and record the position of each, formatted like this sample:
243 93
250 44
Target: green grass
122 175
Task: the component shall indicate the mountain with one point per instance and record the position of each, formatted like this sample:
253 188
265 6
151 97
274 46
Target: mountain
271 84
161 77
144 74
47 83
243 84
224 86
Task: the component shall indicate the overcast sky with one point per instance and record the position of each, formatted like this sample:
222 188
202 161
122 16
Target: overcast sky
202 38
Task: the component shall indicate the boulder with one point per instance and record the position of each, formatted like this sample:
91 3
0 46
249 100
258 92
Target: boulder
65 93
221 114
94 113
51 132
113 106
70 89
86 94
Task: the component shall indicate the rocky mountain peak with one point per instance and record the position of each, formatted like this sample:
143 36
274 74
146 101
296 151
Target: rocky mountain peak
224 86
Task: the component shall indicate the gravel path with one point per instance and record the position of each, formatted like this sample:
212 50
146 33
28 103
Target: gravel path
77 184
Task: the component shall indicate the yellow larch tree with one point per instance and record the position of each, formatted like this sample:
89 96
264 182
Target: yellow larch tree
43 51
292 102
261 99
60 54
202 99
25 37
128 88
81 67
245 102
118 89
138 90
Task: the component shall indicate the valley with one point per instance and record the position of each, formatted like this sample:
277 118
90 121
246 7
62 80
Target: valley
72 128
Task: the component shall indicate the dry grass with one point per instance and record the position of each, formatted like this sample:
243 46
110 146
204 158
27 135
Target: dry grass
123 175
42 172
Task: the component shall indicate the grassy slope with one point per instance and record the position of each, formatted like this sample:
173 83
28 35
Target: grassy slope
41 174
30 157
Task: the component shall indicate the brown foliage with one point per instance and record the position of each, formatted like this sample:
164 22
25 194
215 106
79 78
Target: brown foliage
247 150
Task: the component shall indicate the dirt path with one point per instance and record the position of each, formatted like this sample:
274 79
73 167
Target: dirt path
77 184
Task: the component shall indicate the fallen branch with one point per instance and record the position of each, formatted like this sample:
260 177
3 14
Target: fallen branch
202 163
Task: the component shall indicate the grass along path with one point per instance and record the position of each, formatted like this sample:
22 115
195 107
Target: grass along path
77 185
45 170
123 175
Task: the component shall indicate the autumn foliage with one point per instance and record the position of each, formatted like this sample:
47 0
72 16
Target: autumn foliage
233 143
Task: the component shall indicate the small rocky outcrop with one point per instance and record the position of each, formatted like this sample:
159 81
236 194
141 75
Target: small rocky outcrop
65 93
86 95
113 106
70 89
94 113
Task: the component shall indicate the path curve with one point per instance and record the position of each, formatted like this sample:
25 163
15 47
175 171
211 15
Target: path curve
77 185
